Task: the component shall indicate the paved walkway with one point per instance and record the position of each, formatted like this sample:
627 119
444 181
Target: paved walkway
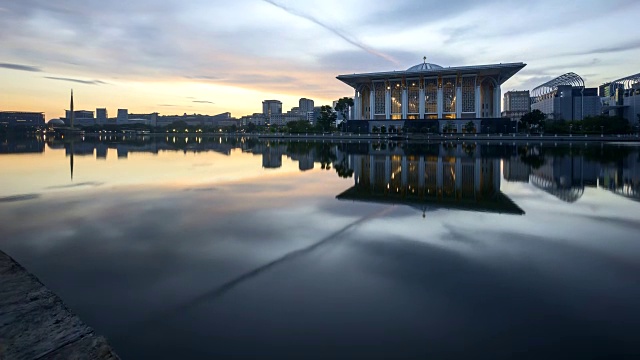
35 323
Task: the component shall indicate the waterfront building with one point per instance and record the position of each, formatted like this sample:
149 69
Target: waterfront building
271 107
101 116
516 104
146 119
80 118
123 116
566 98
622 98
13 119
305 105
429 95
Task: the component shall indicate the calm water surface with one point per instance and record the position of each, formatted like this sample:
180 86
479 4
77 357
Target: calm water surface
239 247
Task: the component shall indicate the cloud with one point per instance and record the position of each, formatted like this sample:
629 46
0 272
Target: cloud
16 198
203 102
20 67
342 34
87 82
626 46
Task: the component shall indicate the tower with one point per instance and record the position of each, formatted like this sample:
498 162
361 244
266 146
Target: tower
71 108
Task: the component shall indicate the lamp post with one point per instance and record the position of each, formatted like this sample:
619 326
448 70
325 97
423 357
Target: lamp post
570 129
601 131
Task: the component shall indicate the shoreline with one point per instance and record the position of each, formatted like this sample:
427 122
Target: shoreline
36 324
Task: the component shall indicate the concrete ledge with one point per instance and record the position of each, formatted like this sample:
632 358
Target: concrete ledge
35 323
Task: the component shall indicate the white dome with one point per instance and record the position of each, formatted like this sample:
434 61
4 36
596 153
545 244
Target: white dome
55 122
425 66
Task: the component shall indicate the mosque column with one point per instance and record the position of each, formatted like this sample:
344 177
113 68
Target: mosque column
372 103
496 101
440 101
478 105
421 104
387 103
458 98
405 102
355 114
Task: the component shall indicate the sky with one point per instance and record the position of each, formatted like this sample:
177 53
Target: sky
211 56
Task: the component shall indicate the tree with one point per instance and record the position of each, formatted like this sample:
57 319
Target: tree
533 120
343 105
470 127
327 118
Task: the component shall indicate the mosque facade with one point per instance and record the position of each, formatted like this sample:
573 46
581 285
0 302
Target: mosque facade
427 95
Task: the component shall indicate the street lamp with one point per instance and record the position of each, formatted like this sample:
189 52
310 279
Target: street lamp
601 131
570 129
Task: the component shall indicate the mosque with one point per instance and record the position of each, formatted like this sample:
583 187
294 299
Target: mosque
429 96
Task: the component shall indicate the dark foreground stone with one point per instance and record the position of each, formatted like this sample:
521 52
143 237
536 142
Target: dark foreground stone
35 323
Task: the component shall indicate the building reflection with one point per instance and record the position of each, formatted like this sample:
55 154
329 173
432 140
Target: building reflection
454 173
464 182
566 172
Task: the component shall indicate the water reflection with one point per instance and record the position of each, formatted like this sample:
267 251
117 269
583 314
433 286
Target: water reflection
392 171
274 265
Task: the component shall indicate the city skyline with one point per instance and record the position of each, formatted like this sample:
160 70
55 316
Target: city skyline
213 57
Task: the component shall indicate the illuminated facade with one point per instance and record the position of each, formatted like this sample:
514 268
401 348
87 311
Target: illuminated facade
428 92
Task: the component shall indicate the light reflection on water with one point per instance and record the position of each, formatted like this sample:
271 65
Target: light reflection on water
243 247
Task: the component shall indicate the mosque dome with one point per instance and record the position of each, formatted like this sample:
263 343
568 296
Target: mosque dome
425 66
55 123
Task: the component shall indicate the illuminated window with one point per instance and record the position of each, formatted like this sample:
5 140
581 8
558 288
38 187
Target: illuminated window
448 95
379 98
413 93
431 96
468 94
396 98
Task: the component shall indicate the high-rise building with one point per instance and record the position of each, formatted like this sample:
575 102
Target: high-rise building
516 104
305 105
271 107
123 116
101 116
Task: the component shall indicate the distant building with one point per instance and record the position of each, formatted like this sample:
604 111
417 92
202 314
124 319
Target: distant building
271 107
123 116
101 116
622 98
305 105
21 118
81 118
516 104
566 98
146 119
256 119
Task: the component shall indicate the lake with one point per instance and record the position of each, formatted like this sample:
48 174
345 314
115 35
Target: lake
240 247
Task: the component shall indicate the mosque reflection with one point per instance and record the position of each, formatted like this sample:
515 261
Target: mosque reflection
460 181
423 175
